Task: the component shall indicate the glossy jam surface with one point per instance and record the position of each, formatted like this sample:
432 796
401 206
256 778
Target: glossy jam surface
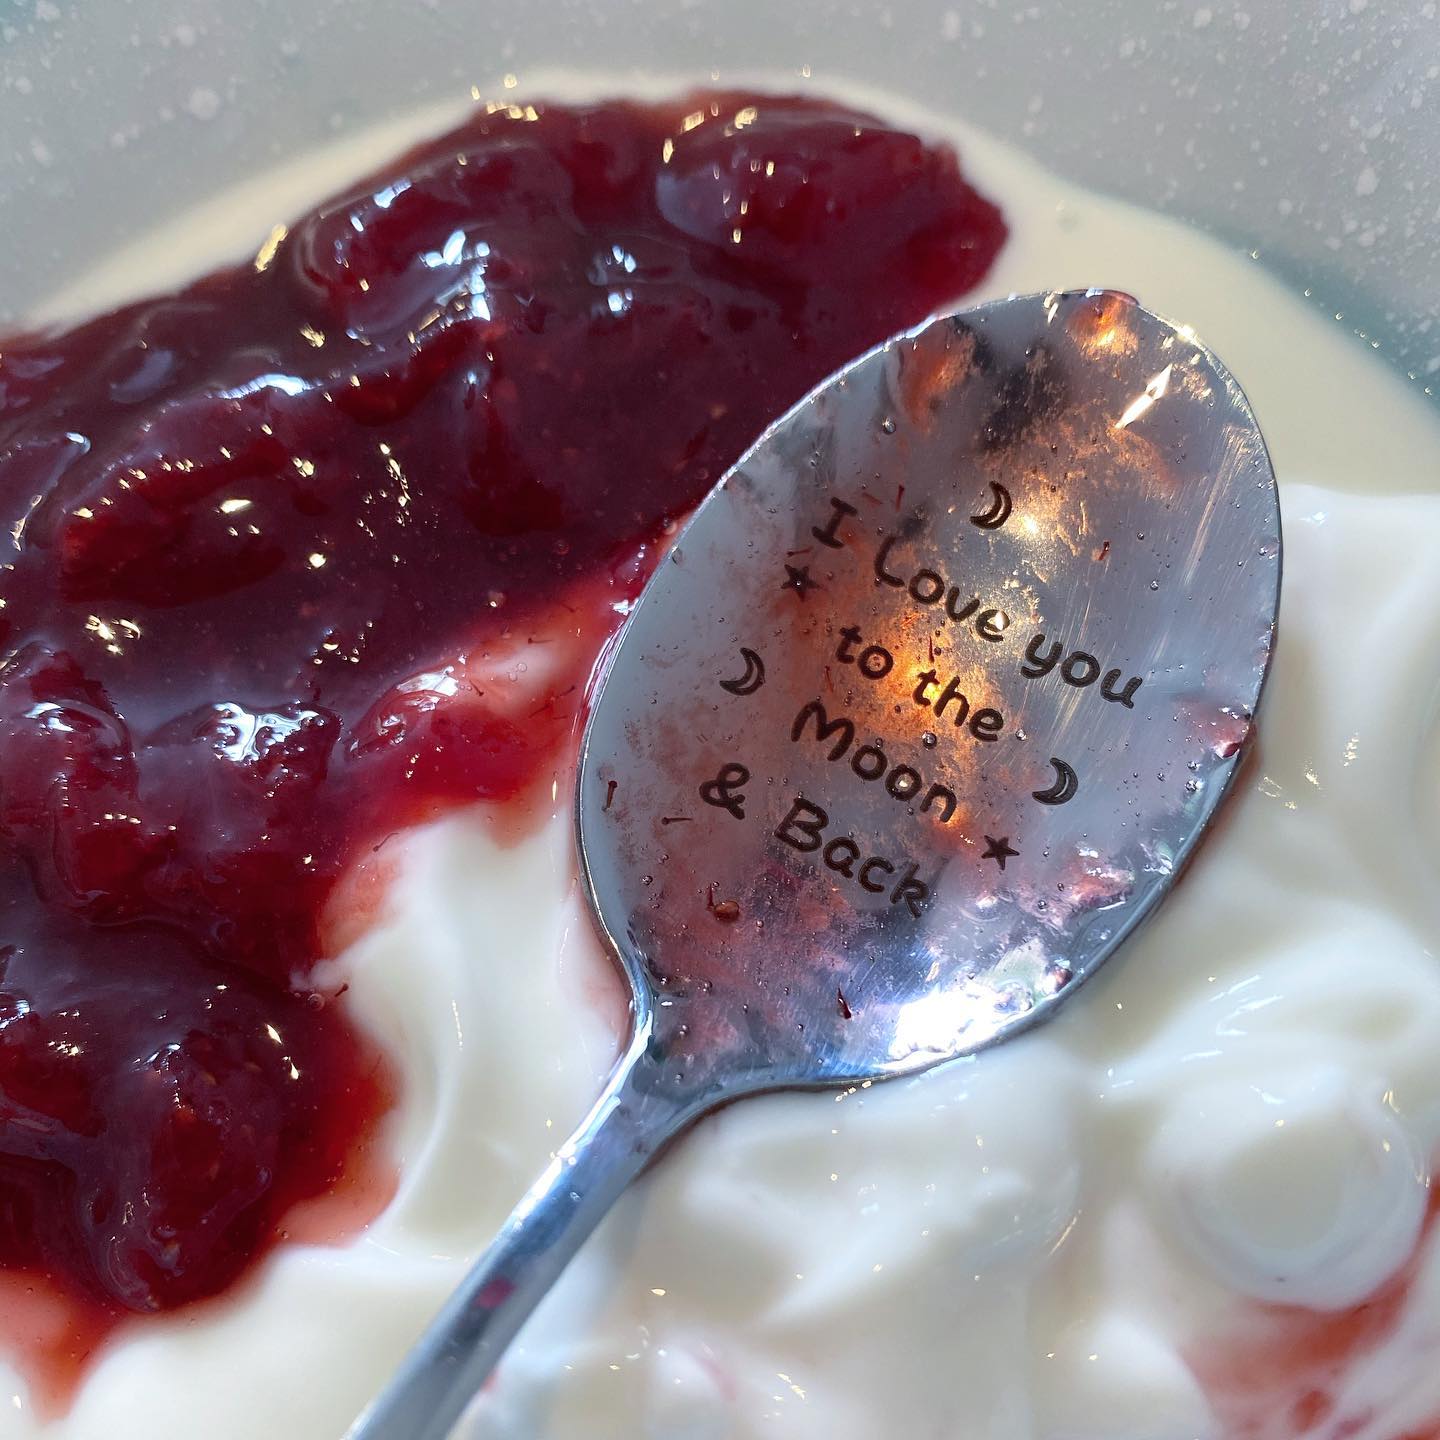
276 538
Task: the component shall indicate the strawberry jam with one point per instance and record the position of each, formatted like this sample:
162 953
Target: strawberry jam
261 530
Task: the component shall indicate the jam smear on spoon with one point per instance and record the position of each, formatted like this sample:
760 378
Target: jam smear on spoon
267 532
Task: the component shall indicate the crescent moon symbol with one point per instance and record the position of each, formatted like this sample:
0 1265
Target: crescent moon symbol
999 511
752 679
1065 787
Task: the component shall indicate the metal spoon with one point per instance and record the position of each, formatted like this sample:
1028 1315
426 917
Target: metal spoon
925 710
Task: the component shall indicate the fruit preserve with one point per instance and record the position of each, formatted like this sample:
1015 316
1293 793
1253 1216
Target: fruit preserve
264 534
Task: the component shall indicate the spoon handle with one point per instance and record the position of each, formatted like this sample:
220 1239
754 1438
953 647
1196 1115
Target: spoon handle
641 1108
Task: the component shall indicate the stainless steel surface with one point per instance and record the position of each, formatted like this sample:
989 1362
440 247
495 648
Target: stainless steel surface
921 715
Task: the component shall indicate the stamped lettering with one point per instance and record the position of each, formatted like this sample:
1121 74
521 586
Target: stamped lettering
948 671
804 828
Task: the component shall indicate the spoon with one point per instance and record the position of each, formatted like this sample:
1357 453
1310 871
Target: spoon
922 714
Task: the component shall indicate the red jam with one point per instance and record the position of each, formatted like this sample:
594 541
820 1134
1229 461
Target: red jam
1281 1371
262 528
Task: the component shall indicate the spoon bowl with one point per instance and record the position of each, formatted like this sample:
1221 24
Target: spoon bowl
920 716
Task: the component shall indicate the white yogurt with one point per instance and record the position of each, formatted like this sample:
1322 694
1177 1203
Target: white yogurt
1040 1244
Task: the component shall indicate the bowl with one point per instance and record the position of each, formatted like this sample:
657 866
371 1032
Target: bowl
1306 139
1307 135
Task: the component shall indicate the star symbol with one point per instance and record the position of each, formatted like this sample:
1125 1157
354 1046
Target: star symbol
999 850
797 578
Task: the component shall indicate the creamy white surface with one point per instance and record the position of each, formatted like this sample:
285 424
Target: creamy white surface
1240 1108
